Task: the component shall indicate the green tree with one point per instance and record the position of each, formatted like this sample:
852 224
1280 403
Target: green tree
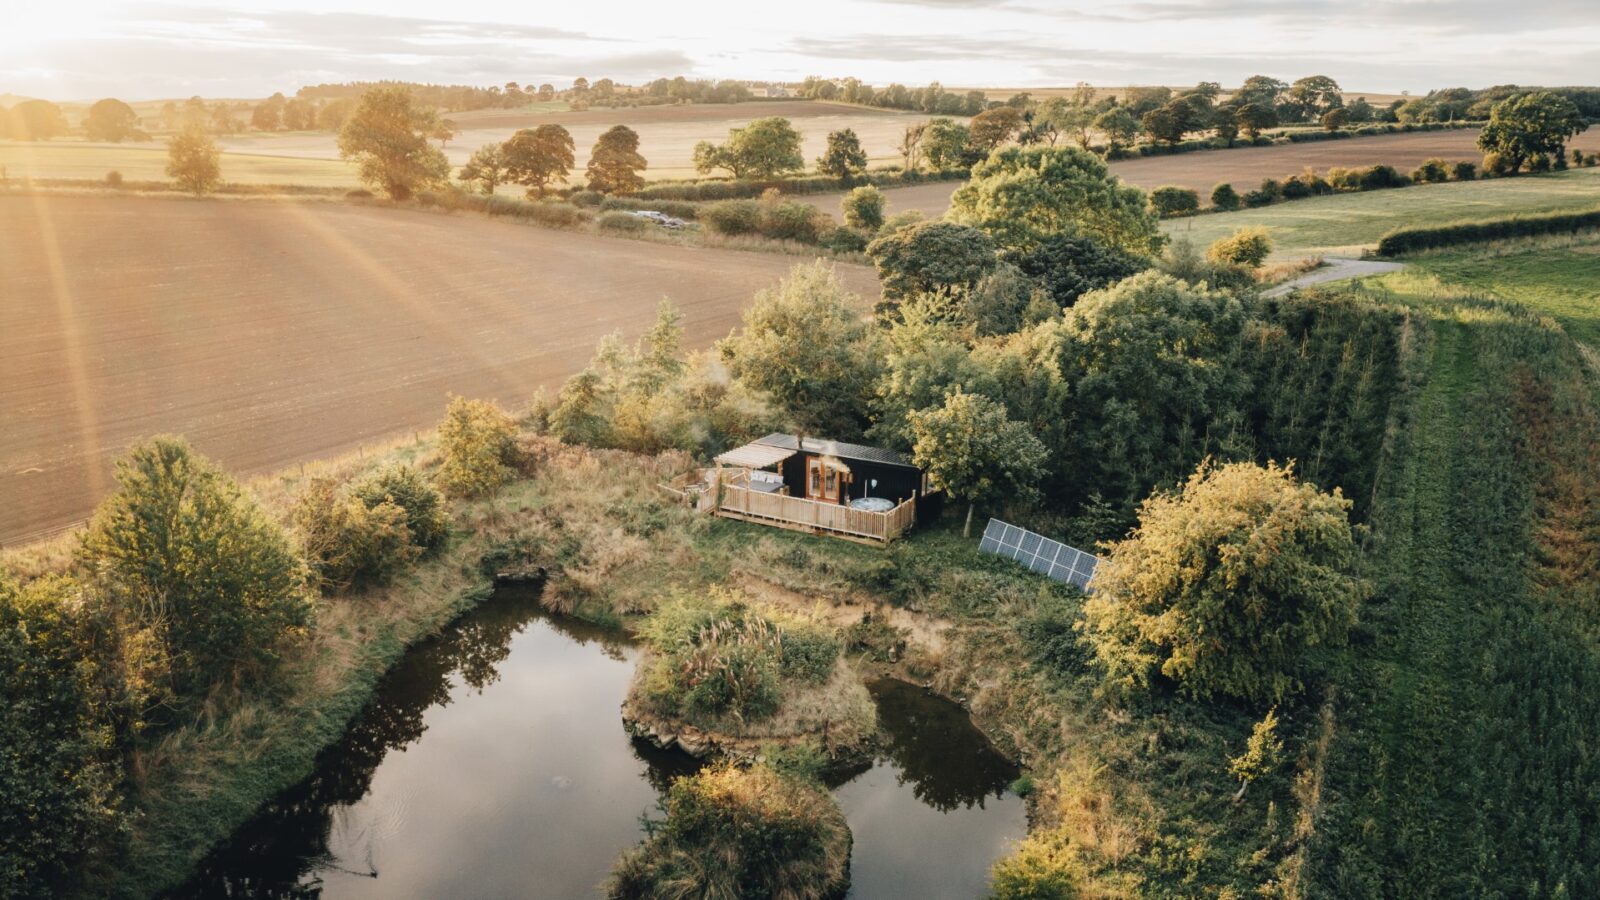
387 136
111 120
1248 247
479 444
765 148
36 120
536 157
615 162
198 564
1225 198
486 168
1150 362
59 773
931 256
863 208
193 161
1228 586
1315 95
1335 119
972 449
993 127
1071 265
1261 89
1120 128
806 345
1528 126
1253 117
268 115
947 144
844 157
1024 195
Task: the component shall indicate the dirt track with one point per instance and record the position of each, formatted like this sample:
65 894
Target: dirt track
1243 167
270 333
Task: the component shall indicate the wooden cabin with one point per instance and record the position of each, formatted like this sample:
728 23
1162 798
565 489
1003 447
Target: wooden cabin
821 486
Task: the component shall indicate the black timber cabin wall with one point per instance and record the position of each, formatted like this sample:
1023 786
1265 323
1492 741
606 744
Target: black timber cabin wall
893 481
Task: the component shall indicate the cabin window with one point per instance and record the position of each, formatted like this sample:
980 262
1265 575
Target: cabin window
833 484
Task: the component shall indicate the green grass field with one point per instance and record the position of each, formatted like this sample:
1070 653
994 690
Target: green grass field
1558 277
148 162
1344 224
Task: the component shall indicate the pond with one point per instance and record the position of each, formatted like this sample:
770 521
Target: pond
492 762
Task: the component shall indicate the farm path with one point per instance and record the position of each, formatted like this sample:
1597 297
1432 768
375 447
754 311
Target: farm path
271 333
1336 269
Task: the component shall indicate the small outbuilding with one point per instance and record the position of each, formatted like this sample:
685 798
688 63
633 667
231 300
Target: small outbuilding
822 486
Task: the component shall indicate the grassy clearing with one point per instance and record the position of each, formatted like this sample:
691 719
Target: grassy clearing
148 162
1556 276
1346 224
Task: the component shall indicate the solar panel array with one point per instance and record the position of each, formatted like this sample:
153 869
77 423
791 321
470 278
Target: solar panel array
1039 553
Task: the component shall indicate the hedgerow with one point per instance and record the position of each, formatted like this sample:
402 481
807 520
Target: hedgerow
1430 237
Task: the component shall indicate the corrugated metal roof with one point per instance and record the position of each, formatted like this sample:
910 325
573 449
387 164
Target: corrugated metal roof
837 448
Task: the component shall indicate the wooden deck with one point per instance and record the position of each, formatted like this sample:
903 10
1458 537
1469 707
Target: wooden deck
728 497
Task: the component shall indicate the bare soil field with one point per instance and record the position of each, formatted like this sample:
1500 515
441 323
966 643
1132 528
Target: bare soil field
1244 167
667 134
271 332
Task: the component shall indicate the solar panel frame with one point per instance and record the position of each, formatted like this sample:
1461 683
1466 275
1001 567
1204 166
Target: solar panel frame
1050 558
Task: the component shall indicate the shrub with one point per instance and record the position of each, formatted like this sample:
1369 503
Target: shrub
1381 176
586 199
1225 198
809 653
479 443
358 194
1228 586
731 832
863 208
1464 171
198 565
617 220
846 240
114 179
58 771
349 544
732 217
1173 201
1245 247
1343 179
791 220
1259 198
1496 165
1043 867
1296 189
1431 171
404 486
1428 237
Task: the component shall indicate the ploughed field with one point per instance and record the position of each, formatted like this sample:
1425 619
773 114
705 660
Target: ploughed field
1244 167
272 332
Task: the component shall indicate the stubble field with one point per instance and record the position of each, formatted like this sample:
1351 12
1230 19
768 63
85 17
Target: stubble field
271 332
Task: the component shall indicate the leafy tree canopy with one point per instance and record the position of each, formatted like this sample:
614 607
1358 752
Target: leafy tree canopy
972 449
1529 126
536 157
387 135
615 162
111 120
1228 585
1021 196
930 256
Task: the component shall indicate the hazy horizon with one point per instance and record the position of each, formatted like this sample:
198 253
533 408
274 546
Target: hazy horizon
80 51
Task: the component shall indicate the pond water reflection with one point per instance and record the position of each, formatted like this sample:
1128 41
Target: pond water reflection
492 762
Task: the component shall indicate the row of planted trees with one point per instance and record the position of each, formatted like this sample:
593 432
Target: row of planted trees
185 596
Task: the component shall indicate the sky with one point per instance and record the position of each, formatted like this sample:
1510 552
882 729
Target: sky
86 49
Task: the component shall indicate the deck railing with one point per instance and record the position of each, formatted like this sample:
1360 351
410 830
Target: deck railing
734 500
